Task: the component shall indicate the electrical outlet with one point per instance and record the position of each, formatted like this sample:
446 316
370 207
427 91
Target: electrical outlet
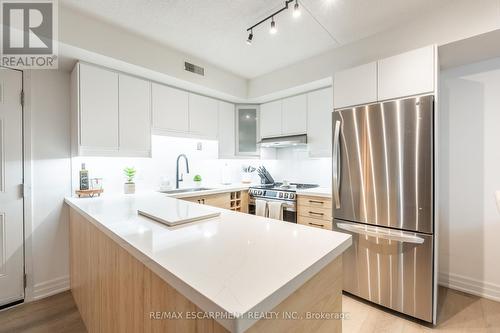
199 146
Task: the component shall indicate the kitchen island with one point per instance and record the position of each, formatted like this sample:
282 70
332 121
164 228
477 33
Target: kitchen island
236 272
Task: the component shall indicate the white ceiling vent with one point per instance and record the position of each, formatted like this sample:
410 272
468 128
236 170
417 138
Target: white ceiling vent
194 68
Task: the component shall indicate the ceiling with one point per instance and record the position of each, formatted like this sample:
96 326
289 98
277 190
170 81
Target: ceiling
215 30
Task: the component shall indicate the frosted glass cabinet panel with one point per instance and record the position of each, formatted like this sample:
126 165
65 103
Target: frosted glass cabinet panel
247 119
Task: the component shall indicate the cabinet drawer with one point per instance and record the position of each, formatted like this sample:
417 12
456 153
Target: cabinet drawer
312 201
315 223
315 213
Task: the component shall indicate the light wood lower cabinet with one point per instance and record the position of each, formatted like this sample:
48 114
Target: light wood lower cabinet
236 201
115 292
314 211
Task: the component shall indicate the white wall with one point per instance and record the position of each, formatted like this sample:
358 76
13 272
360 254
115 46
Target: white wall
445 24
48 99
470 174
92 35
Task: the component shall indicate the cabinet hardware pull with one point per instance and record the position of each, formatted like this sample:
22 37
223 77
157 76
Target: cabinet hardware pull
317 225
316 202
314 213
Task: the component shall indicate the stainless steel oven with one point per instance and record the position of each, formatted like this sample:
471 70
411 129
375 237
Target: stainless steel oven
289 208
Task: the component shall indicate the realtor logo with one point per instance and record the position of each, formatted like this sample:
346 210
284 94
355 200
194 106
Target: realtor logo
29 33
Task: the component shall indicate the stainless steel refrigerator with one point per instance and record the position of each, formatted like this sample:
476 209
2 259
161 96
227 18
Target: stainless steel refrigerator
383 194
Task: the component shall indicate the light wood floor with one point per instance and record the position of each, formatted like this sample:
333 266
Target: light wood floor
459 313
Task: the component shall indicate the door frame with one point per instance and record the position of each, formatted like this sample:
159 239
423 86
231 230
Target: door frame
26 172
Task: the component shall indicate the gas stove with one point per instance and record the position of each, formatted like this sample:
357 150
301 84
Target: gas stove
286 194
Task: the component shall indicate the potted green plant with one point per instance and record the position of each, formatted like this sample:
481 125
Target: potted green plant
197 180
129 187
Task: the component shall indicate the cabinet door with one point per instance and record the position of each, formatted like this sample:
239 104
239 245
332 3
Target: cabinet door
355 86
407 74
247 130
271 119
203 116
98 108
227 123
319 122
294 115
135 115
170 108
218 200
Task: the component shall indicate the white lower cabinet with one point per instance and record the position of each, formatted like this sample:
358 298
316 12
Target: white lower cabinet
135 115
227 132
319 122
203 116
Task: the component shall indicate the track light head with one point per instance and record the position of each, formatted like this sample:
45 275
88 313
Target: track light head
273 29
296 9
250 38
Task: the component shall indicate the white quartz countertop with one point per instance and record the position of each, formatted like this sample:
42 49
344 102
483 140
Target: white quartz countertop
235 263
317 191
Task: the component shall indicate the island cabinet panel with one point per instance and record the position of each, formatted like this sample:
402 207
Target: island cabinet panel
115 292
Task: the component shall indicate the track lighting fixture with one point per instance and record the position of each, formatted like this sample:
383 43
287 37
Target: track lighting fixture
273 29
250 37
296 9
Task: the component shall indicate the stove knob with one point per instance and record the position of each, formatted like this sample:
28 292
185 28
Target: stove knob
260 192
292 196
286 195
281 195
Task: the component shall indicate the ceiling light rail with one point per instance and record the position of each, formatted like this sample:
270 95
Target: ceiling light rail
273 30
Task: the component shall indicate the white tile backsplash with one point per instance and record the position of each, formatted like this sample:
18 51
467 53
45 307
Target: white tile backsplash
291 164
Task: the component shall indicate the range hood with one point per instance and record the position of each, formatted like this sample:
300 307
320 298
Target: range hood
284 141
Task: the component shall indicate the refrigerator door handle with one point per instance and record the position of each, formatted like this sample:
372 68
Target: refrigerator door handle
399 236
336 164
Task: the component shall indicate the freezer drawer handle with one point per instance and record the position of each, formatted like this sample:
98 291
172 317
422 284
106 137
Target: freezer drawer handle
399 236
336 164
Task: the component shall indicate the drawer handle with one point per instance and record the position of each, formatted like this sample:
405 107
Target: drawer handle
317 202
314 213
317 225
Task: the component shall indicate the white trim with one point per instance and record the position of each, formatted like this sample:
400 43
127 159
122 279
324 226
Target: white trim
470 285
28 197
51 287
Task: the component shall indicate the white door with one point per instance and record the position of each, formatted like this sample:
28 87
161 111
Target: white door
227 131
170 108
319 122
271 119
11 180
135 116
203 116
294 115
98 108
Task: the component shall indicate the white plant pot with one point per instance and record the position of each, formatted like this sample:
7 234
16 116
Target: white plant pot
129 188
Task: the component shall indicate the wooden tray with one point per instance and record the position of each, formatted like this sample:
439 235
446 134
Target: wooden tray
89 193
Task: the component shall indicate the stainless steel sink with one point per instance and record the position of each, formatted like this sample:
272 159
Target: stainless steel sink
187 190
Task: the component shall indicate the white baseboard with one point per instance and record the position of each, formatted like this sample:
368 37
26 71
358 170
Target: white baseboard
470 285
51 287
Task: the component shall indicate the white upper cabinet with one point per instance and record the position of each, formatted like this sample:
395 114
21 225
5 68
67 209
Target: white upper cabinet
227 123
170 108
294 115
98 108
271 119
407 74
135 115
319 122
355 86
203 116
